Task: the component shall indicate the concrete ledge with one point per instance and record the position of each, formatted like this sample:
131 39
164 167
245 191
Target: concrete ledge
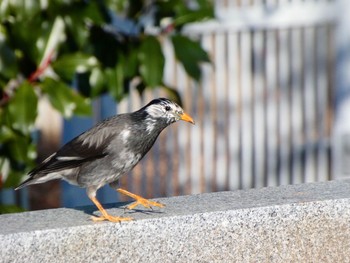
301 223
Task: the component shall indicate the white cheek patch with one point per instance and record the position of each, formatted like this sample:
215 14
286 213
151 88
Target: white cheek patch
155 111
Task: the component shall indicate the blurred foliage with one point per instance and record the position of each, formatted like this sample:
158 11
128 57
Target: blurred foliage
46 47
5 209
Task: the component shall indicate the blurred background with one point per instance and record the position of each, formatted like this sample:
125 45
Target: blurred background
267 82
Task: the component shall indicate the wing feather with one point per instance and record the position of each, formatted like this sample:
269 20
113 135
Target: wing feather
76 152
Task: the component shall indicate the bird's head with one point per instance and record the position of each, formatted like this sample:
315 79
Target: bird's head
166 110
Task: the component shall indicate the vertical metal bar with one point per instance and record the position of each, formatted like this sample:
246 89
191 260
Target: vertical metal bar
246 116
296 107
188 100
214 112
271 108
258 109
322 105
283 110
336 82
226 114
309 104
233 97
221 122
209 117
196 139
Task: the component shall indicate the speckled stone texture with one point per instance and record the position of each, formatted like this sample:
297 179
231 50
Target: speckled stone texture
301 223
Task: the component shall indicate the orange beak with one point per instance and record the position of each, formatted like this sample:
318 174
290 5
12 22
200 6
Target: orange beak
186 117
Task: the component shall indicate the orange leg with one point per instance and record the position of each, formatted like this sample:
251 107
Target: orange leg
105 215
139 200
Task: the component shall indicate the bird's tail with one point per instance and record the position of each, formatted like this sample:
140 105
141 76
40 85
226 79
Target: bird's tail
38 179
28 181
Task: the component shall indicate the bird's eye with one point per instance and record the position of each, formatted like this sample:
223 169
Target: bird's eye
167 108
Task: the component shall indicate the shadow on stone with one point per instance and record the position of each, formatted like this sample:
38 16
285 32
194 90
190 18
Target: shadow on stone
92 210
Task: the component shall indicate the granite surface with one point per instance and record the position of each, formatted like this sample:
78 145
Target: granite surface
300 223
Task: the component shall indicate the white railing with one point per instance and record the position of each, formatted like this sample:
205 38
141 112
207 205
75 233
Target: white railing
263 109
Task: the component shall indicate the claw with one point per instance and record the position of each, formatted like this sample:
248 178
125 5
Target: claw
145 203
139 200
105 216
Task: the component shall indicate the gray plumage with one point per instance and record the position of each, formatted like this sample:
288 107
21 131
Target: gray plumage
108 150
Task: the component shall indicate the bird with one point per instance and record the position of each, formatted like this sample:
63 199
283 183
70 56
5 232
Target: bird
108 150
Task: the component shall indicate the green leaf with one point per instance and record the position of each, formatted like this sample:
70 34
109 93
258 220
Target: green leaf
115 80
104 45
152 61
6 134
131 63
28 43
6 209
24 9
191 17
190 54
67 65
65 99
8 66
21 149
77 16
97 81
17 157
185 15
22 108
4 169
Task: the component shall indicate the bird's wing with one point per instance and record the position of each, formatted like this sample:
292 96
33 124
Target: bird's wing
87 147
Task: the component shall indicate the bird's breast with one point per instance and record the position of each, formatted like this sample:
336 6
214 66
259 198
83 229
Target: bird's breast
125 161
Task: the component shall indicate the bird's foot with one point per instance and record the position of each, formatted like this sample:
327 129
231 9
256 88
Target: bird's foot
139 200
145 203
115 219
